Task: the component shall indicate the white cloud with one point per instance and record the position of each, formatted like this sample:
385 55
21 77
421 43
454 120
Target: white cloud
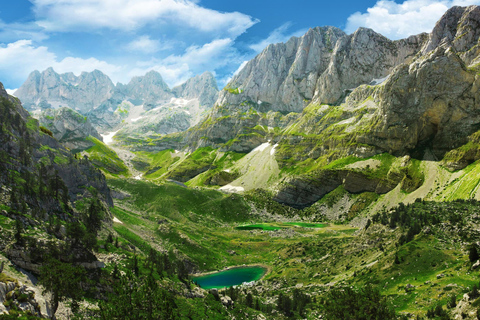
14 31
19 58
69 15
400 20
144 44
276 36
176 69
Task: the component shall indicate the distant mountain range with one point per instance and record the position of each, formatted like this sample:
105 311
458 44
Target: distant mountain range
108 106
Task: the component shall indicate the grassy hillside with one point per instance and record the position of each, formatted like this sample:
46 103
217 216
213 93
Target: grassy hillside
411 253
105 158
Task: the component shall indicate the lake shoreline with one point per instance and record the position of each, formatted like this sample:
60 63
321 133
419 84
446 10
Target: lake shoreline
267 267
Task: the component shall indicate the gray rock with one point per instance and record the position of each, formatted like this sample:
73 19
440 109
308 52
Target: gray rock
226 301
202 87
3 309
52 90
476 265
149 90
69 127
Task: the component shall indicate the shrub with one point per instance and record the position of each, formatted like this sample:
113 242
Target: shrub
46 131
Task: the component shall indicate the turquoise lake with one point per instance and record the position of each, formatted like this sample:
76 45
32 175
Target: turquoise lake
230 277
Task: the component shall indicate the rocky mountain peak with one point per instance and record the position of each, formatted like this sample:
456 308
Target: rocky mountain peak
150 88
320 66
459 28
203 87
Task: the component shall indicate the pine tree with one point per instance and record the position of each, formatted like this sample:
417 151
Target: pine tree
473 253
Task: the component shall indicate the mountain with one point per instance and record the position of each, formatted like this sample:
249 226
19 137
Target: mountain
202 87
192 100
69 127
342 167
149 90
52 90
109 107
300 112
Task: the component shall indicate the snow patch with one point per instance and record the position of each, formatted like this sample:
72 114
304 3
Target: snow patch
187 112
115 219
108 138
272 152
375 82
227 170
232 189
259 102
139 177
136 119
179 102
261 147
110 109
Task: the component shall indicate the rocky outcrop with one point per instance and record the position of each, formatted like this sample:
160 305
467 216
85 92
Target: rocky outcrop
303 191
434 101
69 127
17 296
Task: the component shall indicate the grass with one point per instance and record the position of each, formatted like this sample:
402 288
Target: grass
4 278
105 158
132 237
177 203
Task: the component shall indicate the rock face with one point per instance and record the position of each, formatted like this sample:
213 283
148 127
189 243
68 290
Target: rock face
149 90
323 66
202 87
52 90
69 127
318 66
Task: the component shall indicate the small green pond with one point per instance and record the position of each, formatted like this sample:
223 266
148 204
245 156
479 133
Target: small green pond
280 225
230 277
259 226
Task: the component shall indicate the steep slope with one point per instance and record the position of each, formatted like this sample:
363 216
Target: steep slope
29 151
323 66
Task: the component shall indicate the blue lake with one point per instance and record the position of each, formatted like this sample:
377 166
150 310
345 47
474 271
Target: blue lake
230 277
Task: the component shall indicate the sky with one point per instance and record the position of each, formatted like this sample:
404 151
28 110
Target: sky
181 38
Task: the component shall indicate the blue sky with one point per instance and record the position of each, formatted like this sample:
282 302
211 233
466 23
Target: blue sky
181 38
